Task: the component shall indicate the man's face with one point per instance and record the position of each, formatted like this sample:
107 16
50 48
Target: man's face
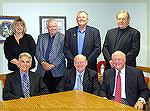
118 61
122 20
25 64
82 19
80 64
52 28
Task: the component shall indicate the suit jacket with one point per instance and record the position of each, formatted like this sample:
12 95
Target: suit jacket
90 81
91 46
135 85
13 87
56 55
129 44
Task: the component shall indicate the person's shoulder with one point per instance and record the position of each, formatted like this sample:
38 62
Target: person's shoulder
72 28
10 37
91 27
91 72
133 29
133 69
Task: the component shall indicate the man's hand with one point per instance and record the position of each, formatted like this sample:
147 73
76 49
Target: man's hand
47 66
139 105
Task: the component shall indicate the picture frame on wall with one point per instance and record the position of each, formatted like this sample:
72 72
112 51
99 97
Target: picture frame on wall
61 21
6 26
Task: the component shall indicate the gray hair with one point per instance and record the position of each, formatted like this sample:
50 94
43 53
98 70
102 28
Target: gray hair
124 11
25 54
50 20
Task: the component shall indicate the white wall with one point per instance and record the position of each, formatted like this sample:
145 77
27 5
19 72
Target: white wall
101 16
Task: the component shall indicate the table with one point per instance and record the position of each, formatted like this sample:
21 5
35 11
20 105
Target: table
64 101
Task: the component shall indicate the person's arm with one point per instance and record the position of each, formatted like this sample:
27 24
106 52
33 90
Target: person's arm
105 51
96 48
8 91
68 53
143 91
135 48
39 49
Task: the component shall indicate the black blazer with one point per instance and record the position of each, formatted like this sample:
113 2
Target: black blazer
91 46
129 44
12 49
90 81
135 85
13 87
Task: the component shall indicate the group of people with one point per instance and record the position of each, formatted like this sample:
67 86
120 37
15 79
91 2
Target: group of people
81 46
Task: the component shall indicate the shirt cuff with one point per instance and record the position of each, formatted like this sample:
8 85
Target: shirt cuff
142 100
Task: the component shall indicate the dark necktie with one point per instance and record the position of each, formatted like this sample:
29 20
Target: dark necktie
48 50
26 86
118 88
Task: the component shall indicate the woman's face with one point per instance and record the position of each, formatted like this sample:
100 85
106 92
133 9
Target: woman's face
19 28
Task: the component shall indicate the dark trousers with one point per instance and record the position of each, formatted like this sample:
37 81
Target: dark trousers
50 81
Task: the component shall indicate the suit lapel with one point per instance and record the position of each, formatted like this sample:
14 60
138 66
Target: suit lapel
73 78
17 79
112 80
32 82
86 38
74 39
123 39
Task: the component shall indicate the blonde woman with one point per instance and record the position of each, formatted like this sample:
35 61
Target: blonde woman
17 43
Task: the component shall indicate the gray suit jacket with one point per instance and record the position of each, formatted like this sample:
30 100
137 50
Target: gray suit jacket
13 87
56 55
91 46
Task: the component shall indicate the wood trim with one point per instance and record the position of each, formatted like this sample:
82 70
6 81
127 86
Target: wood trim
145 69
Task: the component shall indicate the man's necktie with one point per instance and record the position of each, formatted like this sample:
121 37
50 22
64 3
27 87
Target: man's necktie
80 85
118 88
26 86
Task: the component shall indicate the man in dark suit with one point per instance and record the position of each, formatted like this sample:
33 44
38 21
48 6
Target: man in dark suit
82 39
23 83
133 88
80 78
123 38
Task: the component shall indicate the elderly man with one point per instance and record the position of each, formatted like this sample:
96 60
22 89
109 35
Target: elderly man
125 84
80 77
23 83
50 55
123 38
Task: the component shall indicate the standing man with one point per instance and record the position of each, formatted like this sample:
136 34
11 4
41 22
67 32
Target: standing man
82 39
80 78
123 38
125 84
23 83
50 56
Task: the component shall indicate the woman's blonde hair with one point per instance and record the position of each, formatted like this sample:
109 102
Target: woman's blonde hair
22 22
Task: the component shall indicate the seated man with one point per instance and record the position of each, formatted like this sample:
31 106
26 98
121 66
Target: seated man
80 77
125 84
23 83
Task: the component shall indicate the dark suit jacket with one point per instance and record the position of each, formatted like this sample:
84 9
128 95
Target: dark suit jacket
13 87
129 44
135 85
91 46
90 81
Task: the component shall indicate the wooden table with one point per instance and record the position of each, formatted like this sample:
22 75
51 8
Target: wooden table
64 101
